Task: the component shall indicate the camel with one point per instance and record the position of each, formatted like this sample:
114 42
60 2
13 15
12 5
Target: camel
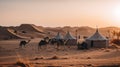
41 43
58 42
53 41
23 43
82 46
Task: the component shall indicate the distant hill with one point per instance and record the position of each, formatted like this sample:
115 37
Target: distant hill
33 31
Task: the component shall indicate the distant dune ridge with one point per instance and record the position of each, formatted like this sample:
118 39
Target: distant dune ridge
7 33
33 31
29 27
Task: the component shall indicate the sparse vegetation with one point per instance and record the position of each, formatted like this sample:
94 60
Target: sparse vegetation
54 57
116 34
114 46
88 57
114 65
107 50
116 41
39 58
22 64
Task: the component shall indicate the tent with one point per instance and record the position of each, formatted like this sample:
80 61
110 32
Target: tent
97 40
58 36
71 40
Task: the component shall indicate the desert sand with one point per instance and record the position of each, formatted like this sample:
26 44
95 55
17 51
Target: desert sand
48 56
11 55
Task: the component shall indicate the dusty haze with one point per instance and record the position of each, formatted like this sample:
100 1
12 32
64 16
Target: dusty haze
55 13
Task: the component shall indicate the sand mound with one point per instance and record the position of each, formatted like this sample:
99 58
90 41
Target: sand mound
7 33
30 28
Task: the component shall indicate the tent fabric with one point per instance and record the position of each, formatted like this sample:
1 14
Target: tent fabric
68 36
58 36
96 36
97 41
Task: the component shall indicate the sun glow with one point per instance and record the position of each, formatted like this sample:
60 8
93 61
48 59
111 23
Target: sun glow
117 12
116 15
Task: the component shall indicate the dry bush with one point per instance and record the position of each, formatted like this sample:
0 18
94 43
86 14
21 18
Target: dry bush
36 58
22 64
113 46
114 65
89 65
54 57
116 41
88 57
39 58
53 66
107 50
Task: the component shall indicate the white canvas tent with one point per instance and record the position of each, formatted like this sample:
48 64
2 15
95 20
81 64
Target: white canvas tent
58 36
97 40
69 36
71 40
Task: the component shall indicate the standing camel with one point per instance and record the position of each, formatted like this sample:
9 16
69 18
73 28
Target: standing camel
23 43
41 43
58 42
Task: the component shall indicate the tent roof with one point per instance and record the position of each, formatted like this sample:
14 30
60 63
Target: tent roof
58 36
96 36
69 36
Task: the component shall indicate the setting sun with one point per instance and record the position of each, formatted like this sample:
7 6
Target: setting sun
117 13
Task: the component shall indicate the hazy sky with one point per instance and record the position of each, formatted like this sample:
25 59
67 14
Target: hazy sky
55 13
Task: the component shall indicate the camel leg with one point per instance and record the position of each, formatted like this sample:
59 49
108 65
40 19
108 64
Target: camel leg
64 46
46 46
19 46
39 47
24 45
69 46
58 46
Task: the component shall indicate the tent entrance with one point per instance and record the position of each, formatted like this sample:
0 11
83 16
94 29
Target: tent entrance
92 43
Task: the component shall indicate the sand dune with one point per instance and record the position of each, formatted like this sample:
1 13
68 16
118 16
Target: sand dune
29 27
6 33
33 31
14 34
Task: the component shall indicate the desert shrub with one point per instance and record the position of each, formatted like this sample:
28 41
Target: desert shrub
107 50
88 57
114 65
54 57
22 64
116 41
113 46
39 58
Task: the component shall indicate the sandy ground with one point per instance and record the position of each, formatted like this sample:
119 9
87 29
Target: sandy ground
49 56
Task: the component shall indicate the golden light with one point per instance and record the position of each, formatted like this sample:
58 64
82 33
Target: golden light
116 14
